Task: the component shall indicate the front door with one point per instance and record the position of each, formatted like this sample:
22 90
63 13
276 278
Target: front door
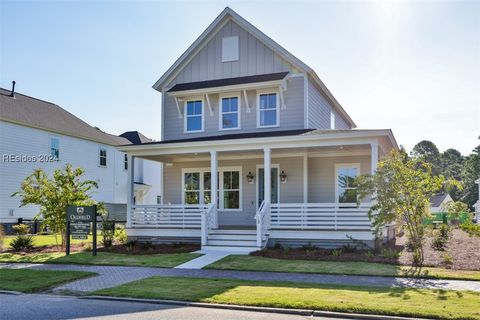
261 185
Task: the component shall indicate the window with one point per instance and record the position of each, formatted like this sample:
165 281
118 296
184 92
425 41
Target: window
267 115
194 116
55 148
197 187
159 199
332 120
230 49
230 114
103 157
125 162
346 187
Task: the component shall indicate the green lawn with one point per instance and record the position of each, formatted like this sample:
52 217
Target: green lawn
49 240
103 258
253 263
388 301
26 280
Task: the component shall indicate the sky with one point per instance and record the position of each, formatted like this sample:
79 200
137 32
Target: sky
411 66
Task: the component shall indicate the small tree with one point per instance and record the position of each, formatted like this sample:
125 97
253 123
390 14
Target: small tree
53 195
455 209
401 189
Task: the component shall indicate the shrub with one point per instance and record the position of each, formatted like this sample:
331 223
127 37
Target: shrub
22 242
147 245
441 237
473 230
21 229
2 237
120 235
130 245
337 252
108 232
447 259
389 253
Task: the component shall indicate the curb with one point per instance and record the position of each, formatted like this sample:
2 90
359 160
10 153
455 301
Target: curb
16 293
302 312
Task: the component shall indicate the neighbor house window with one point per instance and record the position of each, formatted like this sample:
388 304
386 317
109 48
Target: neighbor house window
230 114
267 115
230 49
103 157
194 116
332 120
346 187
55 148
197 187
159 199
125 162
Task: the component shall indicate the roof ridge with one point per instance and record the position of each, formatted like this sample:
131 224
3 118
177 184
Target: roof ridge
25 95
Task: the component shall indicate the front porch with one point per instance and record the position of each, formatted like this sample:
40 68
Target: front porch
263 195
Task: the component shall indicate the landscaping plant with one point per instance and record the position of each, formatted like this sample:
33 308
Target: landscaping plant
400 189
441 237
472 229
23 240
455 209
53 194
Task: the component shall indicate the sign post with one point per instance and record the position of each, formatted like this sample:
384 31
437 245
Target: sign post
78 224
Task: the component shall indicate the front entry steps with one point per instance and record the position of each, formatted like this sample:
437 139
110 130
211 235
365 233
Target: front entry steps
236 241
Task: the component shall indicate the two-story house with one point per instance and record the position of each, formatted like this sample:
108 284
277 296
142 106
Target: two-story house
39 134
255 149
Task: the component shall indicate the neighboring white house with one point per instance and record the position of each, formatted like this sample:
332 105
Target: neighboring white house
477 204
39 134
438 201
256 150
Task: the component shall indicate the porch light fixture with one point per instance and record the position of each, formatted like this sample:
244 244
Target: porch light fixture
250 177
283 177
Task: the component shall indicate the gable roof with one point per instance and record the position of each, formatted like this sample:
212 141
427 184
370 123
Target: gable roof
438 199
44 115
135 137
216 25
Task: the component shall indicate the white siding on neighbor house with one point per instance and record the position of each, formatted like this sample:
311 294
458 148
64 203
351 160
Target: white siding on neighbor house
148 172
290 118
21 140
254 58
319 111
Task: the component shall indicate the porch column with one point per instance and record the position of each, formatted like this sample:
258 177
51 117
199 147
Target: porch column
305 178
130 186
267 173
374 156
214 182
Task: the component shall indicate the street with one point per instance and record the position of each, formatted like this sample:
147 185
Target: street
53 307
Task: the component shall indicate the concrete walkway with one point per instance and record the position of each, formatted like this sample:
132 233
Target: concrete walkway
111 276
205 259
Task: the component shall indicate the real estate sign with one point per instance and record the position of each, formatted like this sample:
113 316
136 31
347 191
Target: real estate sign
79 219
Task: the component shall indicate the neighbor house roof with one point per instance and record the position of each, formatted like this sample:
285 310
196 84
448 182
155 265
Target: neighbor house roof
228 81
438 199
215 26
135 137
32 112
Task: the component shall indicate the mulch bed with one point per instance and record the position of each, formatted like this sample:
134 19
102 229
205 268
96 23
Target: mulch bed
47 249
139 248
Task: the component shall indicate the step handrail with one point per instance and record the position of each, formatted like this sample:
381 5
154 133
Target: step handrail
207 222
262 218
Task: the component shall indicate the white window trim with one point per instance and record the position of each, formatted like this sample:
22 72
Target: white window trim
339 166
220 111
50 149
106 157
185 115
268 91
261 166
220 185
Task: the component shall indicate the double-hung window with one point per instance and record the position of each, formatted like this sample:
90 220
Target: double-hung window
268 110
197 187
346 187
194 116
102 157
230 113
55 148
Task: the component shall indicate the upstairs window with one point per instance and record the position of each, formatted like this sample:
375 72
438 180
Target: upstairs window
55 148
230 49
194 116
230 115
267 115
332 120
103 157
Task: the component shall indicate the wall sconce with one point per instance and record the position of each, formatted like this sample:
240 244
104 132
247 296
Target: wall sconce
250 177
283 177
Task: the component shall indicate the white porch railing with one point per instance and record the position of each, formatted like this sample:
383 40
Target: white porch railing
168 216
208 221
263 222
325 216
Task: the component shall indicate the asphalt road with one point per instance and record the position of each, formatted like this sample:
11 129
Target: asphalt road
52 307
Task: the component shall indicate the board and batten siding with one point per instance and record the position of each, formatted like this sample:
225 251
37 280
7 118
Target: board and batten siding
319 111
292 117
254 58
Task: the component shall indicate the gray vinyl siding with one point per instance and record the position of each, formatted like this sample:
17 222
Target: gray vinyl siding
319 111
290 118
254 58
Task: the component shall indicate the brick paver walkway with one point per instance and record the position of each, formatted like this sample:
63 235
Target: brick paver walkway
111 276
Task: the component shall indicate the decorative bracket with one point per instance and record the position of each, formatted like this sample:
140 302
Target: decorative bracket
177 101
246 101
281 89
209 105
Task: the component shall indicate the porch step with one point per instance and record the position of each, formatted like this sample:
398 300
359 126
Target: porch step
228 249
233 231
232 243
231 236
